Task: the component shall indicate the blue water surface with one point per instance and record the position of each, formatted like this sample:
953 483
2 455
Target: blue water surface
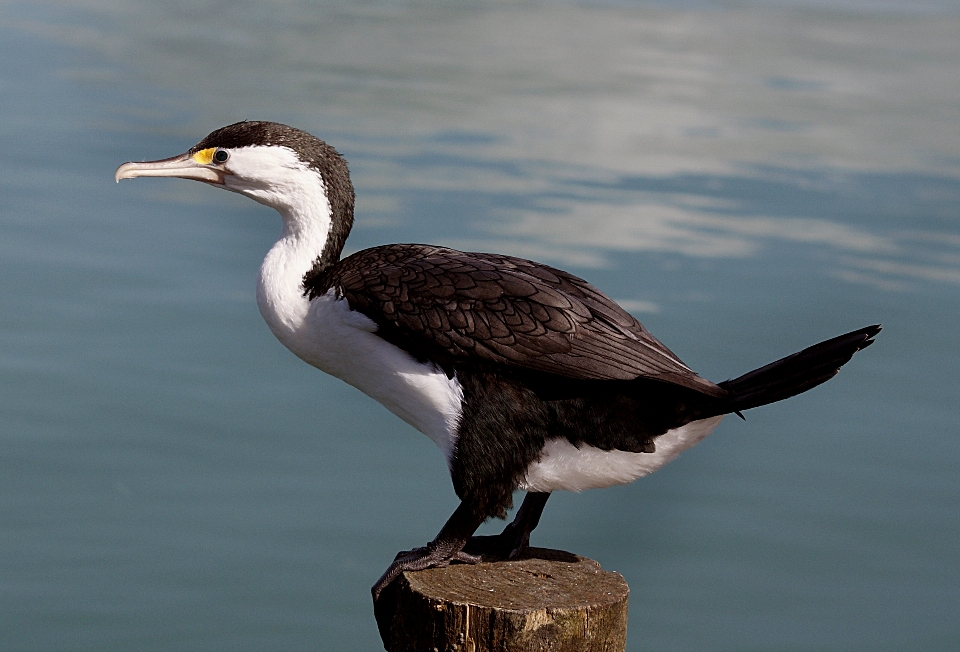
748 178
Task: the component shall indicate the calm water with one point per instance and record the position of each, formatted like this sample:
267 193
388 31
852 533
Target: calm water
749 178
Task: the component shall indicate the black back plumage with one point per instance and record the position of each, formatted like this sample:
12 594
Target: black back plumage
452 307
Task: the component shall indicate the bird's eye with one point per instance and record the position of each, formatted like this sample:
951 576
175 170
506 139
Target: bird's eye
221 155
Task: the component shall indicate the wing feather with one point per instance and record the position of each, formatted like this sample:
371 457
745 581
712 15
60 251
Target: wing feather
461 307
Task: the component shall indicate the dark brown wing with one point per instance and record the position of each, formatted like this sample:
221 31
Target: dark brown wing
452 306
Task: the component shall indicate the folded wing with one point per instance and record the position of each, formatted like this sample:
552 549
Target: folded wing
487 309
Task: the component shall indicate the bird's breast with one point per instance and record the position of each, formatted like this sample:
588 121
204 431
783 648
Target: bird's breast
326 333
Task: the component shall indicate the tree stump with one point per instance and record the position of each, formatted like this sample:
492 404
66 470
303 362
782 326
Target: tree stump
547 600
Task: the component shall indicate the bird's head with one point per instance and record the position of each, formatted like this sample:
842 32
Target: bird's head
299 175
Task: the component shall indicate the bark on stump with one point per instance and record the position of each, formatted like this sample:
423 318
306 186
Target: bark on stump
547 600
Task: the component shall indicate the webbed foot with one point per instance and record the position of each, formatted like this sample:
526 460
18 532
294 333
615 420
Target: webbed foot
429 556
446 548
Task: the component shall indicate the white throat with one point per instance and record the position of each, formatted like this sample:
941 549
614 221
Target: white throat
276 177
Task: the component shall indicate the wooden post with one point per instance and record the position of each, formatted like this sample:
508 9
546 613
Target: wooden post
547 600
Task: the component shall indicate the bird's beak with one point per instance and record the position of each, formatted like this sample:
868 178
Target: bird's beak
184 166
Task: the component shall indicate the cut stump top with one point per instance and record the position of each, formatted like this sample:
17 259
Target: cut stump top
546 600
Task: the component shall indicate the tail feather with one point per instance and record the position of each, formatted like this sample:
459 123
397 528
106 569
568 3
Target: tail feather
794 374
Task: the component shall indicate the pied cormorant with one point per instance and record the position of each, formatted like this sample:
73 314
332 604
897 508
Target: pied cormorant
525 376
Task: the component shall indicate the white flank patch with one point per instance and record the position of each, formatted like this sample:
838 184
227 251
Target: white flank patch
564 466
342 342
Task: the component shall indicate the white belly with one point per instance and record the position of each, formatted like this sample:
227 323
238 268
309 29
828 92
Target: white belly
342 343
564 466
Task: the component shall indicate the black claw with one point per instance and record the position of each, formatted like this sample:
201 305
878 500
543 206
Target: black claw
447 547
455 543
420 559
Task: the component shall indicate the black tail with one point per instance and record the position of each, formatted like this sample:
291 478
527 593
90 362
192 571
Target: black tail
794 374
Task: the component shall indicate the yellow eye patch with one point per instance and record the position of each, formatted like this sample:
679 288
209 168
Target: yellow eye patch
204 156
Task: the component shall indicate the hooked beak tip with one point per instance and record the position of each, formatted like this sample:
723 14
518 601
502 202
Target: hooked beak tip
182 166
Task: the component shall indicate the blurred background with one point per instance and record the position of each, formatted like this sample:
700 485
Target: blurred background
748 178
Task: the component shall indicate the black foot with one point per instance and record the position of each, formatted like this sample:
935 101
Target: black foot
420 559
497 547
515 538
446 548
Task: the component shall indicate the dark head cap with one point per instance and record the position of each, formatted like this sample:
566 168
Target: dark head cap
311 150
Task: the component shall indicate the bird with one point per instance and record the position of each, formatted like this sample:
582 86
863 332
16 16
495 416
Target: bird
525 376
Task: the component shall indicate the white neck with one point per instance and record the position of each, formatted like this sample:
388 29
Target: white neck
275 176
279 285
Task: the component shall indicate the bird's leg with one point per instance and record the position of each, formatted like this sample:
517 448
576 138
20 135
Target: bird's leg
525 521
510 543
445 548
